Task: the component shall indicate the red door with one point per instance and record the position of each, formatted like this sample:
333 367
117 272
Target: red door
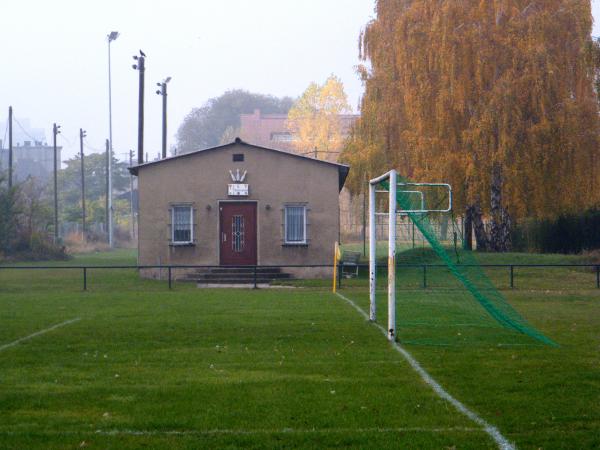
238 233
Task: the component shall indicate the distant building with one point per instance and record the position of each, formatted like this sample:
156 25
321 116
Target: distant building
270 130
30 159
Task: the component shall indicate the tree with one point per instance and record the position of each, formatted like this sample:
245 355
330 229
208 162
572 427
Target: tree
496 97
315 121
205 127
8 216
95 182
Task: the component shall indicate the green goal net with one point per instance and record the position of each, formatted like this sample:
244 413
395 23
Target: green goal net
441 294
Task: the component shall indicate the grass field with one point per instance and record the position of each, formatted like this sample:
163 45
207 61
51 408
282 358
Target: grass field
134 365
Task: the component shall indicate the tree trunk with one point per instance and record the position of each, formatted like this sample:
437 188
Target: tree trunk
468 230
481 236
500 218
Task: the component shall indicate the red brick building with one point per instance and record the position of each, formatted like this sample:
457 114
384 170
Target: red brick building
270 130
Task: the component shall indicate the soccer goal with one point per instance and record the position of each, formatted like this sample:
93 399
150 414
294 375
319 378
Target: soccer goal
404 198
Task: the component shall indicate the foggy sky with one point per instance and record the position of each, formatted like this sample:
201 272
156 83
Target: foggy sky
54 59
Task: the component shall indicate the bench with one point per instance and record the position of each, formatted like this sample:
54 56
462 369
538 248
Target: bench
352 260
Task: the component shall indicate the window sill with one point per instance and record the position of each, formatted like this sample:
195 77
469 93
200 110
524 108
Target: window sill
292 244
182 244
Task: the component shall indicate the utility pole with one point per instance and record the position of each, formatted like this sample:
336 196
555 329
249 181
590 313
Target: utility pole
10 148
82 134
141 68
111 37
131 195
107 201
55 132
163 92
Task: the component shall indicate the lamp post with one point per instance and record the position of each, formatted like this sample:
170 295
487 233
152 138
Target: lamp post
163 92
140 66
113 35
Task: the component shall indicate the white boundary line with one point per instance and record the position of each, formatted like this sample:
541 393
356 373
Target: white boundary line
285 431
258 431
492 431
37 333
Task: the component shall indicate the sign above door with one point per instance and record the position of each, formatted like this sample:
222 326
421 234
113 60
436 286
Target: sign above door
238 188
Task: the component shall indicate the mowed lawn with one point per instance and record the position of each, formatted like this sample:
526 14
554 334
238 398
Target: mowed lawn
145 367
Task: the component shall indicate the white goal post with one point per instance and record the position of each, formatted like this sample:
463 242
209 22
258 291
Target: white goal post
392 177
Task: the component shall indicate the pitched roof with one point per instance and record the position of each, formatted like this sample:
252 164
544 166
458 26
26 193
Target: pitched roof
343 169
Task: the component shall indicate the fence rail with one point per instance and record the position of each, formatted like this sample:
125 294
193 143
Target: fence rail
425 268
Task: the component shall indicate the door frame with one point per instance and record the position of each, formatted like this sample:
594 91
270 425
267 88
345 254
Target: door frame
219 228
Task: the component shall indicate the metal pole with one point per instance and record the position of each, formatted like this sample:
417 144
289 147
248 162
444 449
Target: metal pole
255 281
372 254
424 276
85 278
81 136
110 149
141 67
56 233
169 270
10 147
164 119
512 276
392 258
598 277
106 202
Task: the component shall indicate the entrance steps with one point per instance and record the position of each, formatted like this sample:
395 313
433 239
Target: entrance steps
236 276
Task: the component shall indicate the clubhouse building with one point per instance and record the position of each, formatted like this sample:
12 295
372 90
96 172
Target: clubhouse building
237 205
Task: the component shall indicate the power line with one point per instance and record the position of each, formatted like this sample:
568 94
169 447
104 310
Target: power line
23 130
89 147
62 136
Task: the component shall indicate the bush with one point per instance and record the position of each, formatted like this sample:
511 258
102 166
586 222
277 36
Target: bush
569 233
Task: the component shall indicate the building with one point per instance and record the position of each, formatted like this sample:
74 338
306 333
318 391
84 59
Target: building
239 204
30 159
271 130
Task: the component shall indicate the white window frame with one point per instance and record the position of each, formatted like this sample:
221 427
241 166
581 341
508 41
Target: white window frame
285 229
191 208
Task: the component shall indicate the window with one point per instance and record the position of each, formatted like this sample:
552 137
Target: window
238 157
182 224
295 224
284 136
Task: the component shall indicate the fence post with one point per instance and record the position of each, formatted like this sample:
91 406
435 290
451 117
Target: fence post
255 281
512 276
598 277
424 276
85 278
169 272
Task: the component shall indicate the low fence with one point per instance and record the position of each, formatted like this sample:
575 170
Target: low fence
254 273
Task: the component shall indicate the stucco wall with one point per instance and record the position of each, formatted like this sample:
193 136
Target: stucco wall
274 179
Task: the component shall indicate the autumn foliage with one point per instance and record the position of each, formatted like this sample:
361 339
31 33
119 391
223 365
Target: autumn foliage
477 92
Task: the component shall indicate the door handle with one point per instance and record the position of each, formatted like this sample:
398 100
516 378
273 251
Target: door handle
224 238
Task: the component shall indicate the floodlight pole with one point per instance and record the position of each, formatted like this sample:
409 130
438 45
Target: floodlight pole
110 37
140 66
372 253
392 258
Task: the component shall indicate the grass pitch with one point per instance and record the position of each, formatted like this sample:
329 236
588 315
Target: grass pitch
145 367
